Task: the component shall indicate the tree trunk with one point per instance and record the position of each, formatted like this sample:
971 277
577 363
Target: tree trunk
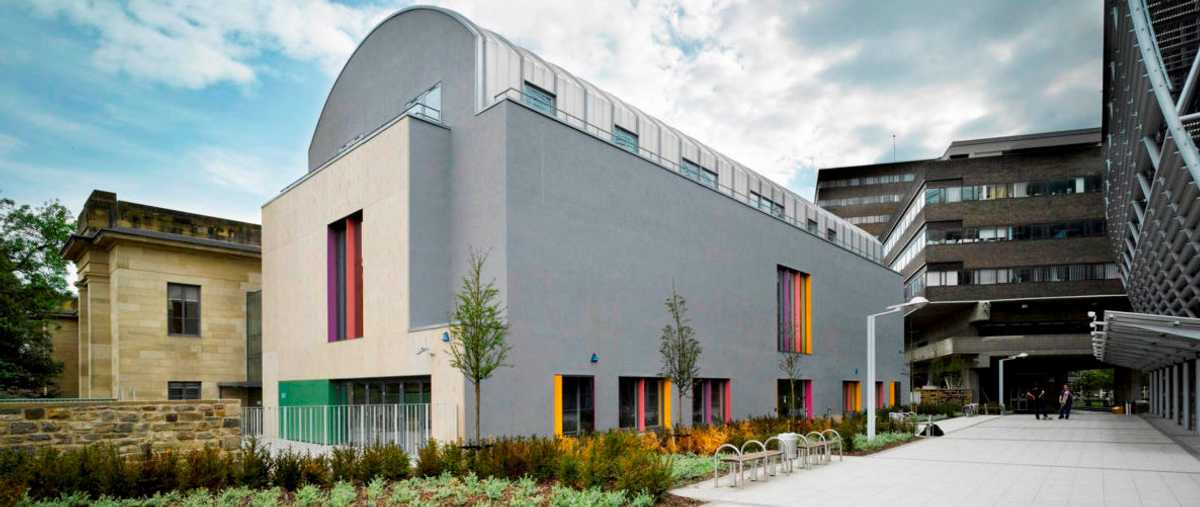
792 406
477 440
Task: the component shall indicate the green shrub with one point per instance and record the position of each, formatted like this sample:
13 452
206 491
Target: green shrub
206 468
253 466
157 472
570 470
287 470
881 440
343 461
429 460
391 463
314 471
454 460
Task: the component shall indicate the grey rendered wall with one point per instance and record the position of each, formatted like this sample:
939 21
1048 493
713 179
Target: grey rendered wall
595 239
429 225
397 61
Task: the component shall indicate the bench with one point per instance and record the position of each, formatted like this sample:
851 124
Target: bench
832 439
814 443
739 458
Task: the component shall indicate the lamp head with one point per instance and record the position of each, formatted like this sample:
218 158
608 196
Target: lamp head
913 303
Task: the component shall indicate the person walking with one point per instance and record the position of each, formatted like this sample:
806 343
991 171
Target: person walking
1036 395
1065 401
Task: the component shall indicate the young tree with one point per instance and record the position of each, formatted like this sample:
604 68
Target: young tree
478 329
33 284
679 347
789 365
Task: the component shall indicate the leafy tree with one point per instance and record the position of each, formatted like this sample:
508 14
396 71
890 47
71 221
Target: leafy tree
478 329
1091 382
789 365
679 347
33 285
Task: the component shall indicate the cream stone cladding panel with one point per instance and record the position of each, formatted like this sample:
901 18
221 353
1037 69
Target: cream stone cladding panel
64 336
147 356
372 177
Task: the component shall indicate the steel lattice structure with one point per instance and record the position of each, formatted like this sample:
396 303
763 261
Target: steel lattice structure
1151 125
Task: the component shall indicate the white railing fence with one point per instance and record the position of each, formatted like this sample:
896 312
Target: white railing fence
404 425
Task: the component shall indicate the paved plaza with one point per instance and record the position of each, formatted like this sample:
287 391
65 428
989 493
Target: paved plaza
1092 459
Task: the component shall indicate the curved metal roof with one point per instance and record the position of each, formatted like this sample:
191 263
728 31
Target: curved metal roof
501 67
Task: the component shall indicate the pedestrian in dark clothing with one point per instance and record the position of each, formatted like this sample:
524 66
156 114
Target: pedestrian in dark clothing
1066 400
1036 398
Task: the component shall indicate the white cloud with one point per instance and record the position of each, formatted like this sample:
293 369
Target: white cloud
780 85
239 171
194 44
9 144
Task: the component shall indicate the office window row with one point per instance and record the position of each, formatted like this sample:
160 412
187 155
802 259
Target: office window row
910 215
540 100
699 173
1066 186
868 180
869 219
344 278
855 201
385 391
625 140
956 234
1023 274
915 246
794 303
765 204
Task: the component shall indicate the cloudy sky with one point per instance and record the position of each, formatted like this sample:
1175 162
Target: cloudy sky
209 106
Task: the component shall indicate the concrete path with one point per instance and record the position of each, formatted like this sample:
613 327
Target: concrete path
1092 459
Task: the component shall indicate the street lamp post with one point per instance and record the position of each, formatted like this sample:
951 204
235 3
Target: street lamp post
1009 358
916 302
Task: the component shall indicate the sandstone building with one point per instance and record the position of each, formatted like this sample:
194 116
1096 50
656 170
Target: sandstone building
168 304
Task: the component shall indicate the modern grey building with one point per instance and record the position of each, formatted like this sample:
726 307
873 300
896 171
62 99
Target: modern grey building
440 137
1151 121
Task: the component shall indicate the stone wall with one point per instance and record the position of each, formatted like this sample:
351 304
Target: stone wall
937 395
128 425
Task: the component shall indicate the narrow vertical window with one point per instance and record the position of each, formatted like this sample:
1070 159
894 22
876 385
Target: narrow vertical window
539 99
794 323
344 278
576 415
640 403
183 309
625 139
793 404
710 401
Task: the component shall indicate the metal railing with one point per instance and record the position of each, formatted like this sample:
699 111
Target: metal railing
404 425
800 221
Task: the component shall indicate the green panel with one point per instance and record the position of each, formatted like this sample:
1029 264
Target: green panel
325 425
299 393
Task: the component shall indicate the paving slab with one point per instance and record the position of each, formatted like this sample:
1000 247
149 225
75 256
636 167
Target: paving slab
1091 459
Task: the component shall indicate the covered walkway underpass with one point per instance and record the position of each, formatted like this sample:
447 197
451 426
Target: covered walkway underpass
1163 347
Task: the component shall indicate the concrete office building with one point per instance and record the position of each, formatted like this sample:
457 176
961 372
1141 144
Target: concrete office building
1152 166
439 137
1006 237
168 305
